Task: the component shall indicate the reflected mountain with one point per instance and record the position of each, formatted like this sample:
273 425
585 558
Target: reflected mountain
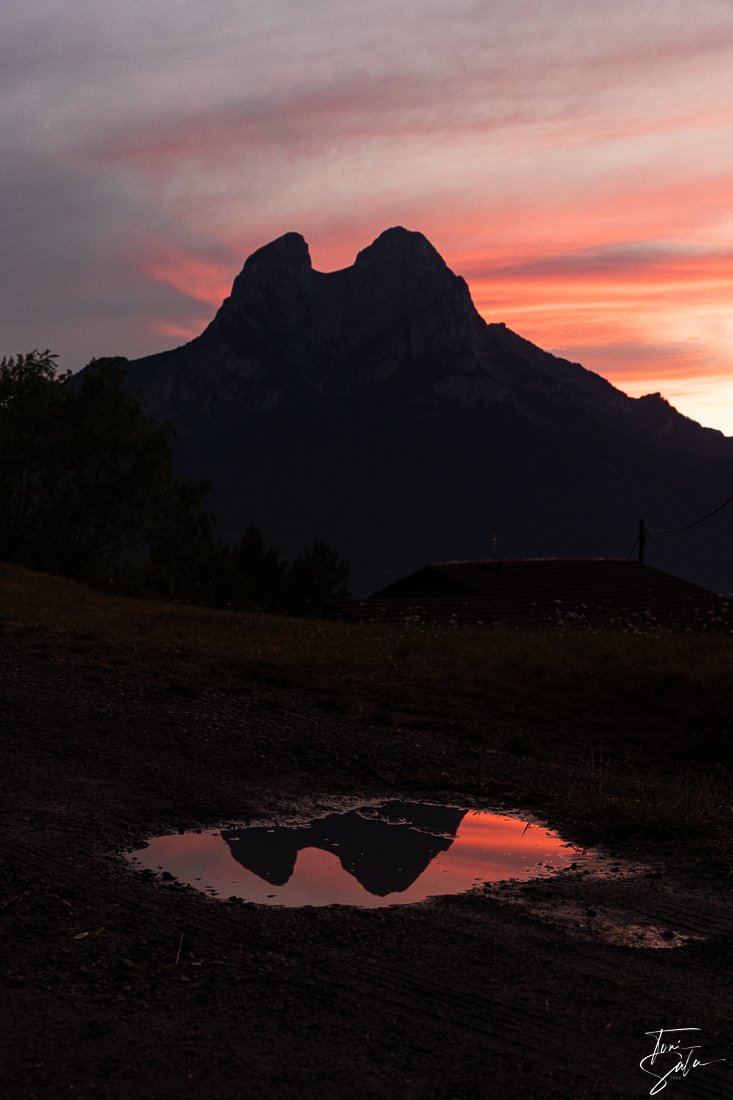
385 848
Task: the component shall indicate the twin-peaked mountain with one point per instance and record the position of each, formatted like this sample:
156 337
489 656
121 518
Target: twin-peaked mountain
385 848
375 409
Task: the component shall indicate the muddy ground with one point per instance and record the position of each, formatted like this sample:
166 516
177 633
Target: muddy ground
512 992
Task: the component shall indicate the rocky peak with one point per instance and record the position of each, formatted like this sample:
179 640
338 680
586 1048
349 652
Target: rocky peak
283 262
403 262
271 293
397 280
400 248
290 250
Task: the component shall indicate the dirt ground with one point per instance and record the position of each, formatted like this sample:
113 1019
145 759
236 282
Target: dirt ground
511 992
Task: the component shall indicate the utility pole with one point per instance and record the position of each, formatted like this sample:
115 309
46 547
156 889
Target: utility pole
642 540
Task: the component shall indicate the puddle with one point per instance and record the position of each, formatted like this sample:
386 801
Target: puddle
388 853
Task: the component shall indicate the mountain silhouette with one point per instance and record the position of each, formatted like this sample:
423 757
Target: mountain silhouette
384 848
374 408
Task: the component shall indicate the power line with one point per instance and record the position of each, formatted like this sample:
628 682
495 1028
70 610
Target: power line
687 526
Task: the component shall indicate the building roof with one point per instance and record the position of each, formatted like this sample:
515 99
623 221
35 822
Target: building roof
548 591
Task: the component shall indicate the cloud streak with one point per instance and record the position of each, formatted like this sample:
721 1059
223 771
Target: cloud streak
573 161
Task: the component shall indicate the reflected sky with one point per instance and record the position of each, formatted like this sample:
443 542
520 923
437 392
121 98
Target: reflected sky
387 854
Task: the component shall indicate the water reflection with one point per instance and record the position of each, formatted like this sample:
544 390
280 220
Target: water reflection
386 854
385 848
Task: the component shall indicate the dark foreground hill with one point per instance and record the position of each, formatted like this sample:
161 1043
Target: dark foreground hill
375 409
123 719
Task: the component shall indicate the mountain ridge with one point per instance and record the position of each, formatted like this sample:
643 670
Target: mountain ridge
288 270
384 377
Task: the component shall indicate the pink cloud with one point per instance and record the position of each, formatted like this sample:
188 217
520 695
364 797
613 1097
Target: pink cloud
197 278
488 91
181 331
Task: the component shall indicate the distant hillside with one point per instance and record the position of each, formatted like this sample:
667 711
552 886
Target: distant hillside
375 409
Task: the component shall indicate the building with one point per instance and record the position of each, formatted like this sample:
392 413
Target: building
599 592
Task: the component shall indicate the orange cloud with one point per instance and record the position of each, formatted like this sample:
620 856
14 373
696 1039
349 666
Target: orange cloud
634 282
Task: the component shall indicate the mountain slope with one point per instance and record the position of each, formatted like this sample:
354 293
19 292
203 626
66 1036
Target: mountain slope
373 407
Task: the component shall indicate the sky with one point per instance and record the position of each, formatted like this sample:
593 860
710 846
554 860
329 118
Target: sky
573 161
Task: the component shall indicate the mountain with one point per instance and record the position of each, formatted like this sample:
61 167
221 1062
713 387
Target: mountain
385 848
374 408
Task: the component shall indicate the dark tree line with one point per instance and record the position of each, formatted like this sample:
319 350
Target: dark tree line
87 489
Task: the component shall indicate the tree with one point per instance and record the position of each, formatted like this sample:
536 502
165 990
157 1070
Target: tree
86 479
303 587
261 571
30 401
314 578
87 489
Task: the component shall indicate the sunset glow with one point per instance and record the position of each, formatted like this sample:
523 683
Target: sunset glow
487 848
575 164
